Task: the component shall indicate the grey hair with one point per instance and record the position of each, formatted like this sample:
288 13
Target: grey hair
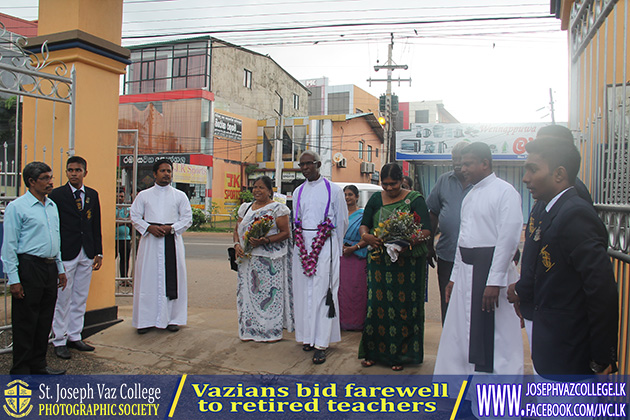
311 153
459 146
33 171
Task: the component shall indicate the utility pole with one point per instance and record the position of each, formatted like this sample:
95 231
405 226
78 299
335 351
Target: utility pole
553 115
279 144
390 144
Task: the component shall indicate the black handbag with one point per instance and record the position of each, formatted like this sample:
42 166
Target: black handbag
232 258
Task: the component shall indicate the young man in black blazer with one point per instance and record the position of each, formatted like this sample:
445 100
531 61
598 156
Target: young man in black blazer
81 252
574 295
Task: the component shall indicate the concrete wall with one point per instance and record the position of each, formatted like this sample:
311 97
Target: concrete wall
364 101
96 134
227 174
346 137
422 105
259 101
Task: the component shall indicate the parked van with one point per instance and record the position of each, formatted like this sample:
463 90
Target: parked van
365 191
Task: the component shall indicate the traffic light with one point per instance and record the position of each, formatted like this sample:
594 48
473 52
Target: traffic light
382 121
382 104
394 103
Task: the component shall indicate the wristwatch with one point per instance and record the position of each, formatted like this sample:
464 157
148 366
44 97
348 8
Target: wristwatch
172 230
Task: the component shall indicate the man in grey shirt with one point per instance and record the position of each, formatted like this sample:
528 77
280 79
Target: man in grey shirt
445 204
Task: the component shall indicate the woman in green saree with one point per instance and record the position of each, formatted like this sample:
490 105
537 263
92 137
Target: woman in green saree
394 325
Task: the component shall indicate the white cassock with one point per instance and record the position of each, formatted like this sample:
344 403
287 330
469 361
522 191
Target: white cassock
312 325
491 216
151 307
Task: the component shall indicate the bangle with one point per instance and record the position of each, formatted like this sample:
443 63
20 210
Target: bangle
358 246
237 243
268 240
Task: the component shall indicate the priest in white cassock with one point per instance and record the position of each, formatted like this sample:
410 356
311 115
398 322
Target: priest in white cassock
321 219
482 332
161 214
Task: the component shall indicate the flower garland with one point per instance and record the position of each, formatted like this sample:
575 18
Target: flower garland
324 230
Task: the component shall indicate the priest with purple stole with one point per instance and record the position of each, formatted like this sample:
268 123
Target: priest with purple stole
481 331
320 222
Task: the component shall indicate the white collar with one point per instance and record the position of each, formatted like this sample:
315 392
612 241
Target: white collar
486 180
82 189
317 180
556 198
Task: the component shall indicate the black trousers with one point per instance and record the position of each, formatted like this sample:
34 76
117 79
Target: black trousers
32 316
444 269
123 248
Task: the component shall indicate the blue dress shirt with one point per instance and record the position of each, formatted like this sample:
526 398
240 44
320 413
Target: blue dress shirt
30 227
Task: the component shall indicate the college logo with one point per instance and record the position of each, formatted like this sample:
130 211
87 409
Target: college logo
17 396
546 258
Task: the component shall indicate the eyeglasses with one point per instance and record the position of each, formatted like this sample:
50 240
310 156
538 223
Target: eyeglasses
46 178
303 164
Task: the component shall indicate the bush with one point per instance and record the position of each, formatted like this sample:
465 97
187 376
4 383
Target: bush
246 196
198 218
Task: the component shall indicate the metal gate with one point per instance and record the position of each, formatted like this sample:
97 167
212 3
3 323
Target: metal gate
600 117
126 190
22 74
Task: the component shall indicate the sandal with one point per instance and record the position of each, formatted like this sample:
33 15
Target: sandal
397 368
307 347
319 357
367 363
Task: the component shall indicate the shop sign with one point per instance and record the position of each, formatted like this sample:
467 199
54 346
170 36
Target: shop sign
228 127
232 186
190 174
435 141
150 159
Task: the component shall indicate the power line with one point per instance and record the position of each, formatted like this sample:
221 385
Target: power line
337 25
309 13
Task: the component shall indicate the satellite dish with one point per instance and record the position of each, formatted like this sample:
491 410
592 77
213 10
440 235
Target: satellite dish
338 157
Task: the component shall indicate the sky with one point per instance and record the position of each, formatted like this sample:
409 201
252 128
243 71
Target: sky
487 60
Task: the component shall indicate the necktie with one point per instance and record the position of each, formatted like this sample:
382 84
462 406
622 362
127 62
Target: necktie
77 199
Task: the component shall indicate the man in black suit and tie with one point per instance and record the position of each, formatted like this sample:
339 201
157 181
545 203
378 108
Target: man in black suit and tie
574 295
81 252
524 308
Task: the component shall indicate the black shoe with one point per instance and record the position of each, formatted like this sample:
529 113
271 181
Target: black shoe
48 371
144 330
80 345
62 352
172 328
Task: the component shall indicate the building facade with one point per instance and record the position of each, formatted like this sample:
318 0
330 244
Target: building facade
202 98
350 147
338 99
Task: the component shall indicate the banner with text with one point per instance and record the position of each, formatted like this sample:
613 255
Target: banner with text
376 397
435 141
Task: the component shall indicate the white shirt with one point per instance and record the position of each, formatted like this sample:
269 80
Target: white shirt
556 198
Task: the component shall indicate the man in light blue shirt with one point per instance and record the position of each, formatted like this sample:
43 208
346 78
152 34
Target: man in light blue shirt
31 256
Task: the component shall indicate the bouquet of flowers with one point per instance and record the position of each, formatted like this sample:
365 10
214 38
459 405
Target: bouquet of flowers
259 228
398 230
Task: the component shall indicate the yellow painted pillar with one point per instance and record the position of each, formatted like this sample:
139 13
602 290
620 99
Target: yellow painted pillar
86 34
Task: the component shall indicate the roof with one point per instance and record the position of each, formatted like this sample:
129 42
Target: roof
372 122
215 40
19 26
